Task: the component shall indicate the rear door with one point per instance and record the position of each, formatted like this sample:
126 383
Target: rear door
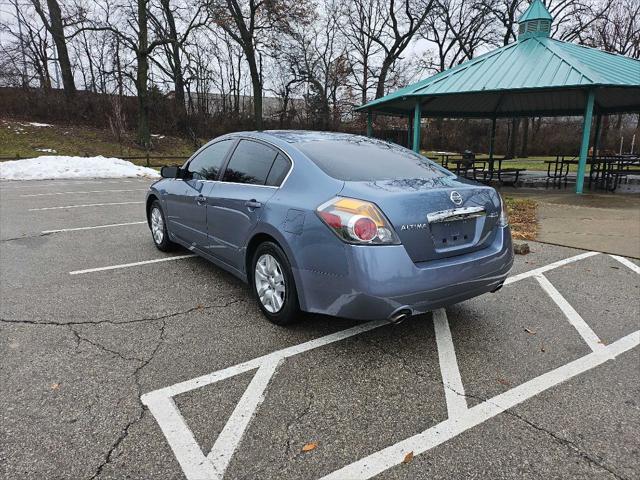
251 177
187 206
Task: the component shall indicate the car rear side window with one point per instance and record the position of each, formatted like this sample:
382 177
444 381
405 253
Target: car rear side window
208 162
250 163
279 170
355 158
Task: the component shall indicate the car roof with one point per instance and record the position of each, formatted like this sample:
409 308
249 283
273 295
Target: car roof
298 136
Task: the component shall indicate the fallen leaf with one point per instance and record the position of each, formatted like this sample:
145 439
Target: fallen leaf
532 332
616 268
502 381
310 446
55 386
408 457
199 306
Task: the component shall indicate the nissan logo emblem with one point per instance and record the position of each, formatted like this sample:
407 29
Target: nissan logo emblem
456 198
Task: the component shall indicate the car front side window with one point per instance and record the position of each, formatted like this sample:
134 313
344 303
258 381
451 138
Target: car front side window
206 165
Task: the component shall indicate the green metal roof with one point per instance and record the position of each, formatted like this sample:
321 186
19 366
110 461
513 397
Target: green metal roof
535 75
536 11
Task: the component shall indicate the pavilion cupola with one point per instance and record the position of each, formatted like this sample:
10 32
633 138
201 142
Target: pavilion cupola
535 21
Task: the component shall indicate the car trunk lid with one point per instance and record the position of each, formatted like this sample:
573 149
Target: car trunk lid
434 218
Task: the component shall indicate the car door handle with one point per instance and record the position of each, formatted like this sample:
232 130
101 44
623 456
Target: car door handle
201 200
252 204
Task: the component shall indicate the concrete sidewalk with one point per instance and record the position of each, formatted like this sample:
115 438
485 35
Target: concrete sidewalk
603 222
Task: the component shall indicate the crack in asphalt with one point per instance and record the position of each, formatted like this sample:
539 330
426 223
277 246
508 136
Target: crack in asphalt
588 457
142 363
310 397
124 322
27 237
141 409
80 338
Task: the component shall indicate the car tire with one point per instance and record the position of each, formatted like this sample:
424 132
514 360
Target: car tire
158 226
280 308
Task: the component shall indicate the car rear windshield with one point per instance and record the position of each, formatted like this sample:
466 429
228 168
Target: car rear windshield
362 159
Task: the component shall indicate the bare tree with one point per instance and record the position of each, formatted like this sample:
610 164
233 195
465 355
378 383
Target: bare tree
53 22
402 19
360 22
30 43
176 23
618 31
317 57
458 28
249 23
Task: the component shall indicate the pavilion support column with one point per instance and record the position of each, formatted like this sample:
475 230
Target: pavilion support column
584 146
492 142
409 128
417 116
369 124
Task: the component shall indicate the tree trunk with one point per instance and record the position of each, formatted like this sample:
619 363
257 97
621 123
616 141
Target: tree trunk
513 138
57 32
144 135
257 87
525 139
178 78
382 79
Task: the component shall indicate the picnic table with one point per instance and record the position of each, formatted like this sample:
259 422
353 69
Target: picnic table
480 170
606 172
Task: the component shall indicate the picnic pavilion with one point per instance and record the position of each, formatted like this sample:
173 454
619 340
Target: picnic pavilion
536 75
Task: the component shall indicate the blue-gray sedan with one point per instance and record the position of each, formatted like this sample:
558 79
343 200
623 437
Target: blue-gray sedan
334 223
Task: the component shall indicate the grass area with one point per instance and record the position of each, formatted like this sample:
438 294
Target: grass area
535 163
26 140
522 217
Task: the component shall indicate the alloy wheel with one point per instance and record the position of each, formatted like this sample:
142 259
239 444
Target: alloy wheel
157 226
270 283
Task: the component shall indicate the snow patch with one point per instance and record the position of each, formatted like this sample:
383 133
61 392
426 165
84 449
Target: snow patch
46 150
53 167
36 124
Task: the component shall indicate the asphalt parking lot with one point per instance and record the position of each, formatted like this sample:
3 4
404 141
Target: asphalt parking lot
117 366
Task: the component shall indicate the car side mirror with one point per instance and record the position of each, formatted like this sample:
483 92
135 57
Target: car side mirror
170 172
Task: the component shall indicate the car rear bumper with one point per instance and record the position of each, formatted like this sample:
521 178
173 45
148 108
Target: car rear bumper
382 280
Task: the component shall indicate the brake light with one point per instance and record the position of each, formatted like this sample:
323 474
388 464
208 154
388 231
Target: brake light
357 221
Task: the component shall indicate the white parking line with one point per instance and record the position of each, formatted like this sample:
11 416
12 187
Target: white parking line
574 317
230 436
128 265
181 440
451 379
197 465
551 266
92 228
36 184
393 455
82 192
82 206
627 263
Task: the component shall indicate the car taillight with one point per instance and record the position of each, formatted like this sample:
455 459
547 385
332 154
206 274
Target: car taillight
357 221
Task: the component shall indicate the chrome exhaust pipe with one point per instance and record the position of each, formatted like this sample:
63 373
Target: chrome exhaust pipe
497 288
399 316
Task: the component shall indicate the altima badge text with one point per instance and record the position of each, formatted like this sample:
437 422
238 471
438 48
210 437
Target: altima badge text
414 226
456 198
